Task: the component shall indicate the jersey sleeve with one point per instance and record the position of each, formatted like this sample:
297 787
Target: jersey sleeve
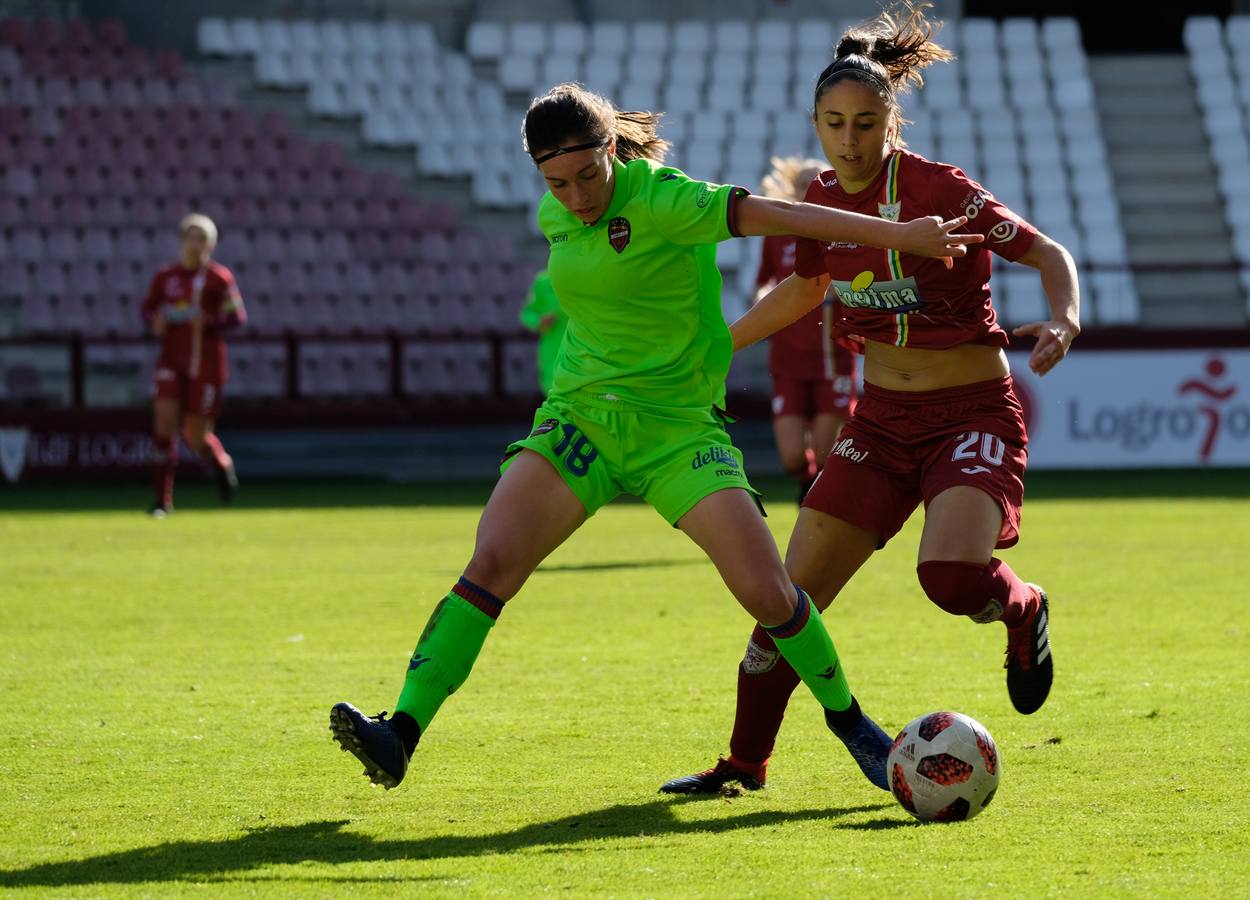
955 194
152 300
809 254
228 310
694 212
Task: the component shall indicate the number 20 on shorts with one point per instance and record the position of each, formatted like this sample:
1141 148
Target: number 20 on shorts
580 451
973 444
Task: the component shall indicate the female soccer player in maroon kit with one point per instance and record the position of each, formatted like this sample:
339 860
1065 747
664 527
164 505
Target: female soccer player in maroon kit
938 423
813 378
189 304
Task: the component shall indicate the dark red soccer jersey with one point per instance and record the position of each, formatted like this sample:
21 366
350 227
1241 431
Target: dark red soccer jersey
202 300
913 301
804 349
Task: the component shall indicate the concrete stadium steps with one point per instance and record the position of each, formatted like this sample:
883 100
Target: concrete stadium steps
1171 208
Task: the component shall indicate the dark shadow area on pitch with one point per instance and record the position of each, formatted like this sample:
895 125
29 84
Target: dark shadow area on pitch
326 842
880 824
630 564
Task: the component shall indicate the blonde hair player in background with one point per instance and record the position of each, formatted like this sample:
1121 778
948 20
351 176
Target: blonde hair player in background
189 304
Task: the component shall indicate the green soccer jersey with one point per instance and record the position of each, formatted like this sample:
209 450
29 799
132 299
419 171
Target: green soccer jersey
642 291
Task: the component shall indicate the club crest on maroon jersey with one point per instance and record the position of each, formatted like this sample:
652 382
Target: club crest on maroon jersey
619 233
889 211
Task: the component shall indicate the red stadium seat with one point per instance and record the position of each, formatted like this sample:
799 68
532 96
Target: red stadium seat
12 212
13 33
74 211
124 92
97 245
334 246
26 245
302 246
41 212
20 181
111 33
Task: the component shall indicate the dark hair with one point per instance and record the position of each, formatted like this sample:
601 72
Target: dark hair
886 54
571 112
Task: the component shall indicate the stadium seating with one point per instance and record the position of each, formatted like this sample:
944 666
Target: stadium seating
1219 58
104 146
995 112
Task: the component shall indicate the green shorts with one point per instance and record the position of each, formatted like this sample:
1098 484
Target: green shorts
669 461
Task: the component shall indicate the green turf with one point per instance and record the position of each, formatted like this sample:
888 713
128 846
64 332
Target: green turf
166 686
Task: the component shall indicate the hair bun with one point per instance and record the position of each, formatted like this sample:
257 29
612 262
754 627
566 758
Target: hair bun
854 45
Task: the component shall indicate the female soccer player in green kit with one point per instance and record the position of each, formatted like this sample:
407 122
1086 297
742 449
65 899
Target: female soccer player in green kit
633 408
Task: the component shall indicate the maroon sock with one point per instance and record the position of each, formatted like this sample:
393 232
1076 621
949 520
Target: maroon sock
1018 599
215 453
165 461
983 593
765 683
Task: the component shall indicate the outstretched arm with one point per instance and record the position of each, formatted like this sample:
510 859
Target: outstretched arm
926 236
1058 273
787 302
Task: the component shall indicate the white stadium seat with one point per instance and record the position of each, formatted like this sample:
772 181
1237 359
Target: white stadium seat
212 36
486 40
650 37
527 39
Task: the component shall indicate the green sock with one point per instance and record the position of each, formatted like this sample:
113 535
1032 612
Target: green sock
809 650
445 654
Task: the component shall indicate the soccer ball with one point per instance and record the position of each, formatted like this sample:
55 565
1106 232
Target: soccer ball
944 767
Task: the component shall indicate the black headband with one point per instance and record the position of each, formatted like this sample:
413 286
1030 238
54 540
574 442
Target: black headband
844 66
538 160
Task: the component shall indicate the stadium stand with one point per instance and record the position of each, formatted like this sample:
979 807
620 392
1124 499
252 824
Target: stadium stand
104 146
1000 122
1219 58
104 143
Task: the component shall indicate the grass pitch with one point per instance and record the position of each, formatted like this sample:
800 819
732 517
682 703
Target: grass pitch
167 686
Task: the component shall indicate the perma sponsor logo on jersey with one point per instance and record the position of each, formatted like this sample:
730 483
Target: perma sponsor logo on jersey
898 296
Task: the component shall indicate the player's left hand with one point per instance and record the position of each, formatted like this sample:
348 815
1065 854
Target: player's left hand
1053 340
930 236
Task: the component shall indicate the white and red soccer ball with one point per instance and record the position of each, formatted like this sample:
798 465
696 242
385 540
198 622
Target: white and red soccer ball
944 767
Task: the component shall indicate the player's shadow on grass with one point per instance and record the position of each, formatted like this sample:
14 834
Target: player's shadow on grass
624 564
327 842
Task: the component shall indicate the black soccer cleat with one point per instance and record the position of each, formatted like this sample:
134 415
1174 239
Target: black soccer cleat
1030 667
373 741
227 483
714 780
868 745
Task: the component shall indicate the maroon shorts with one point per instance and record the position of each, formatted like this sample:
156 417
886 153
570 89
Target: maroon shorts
198 396
810 397
901 448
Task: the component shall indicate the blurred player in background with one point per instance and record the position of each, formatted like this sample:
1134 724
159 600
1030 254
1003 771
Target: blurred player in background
813 378
542 313
189 305
632 409
939 423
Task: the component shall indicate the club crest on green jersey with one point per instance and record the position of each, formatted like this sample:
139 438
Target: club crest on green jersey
619 231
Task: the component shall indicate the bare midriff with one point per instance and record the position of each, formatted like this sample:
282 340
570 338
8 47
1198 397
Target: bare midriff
917 369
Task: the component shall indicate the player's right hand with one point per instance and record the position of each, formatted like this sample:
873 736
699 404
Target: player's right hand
930 236
158 324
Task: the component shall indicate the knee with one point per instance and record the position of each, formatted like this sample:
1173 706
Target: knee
771 601
956 587
492 568
795 464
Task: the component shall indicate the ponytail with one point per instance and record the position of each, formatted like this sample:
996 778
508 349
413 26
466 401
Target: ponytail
887 53
571 112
